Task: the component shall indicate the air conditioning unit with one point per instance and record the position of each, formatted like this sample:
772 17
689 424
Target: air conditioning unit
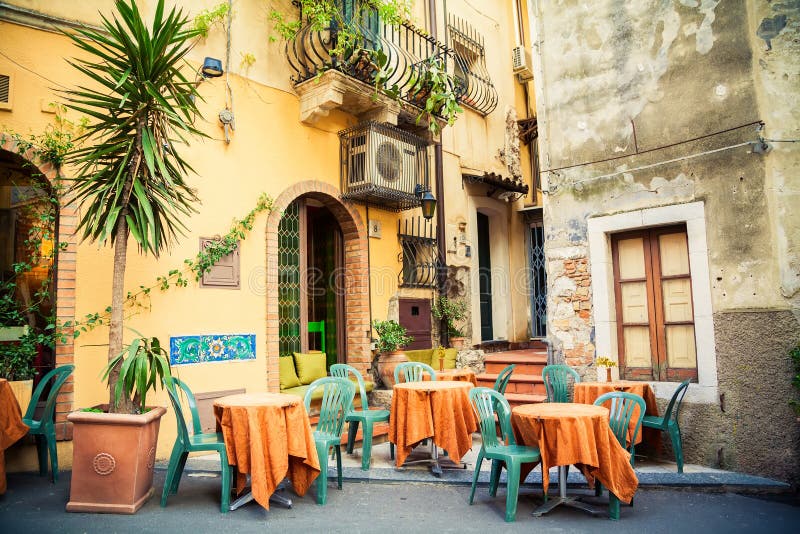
382 165
521 63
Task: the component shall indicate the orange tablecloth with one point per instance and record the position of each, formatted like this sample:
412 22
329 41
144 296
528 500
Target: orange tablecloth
458 375
268 435
439 410
588 392
576 434
11 426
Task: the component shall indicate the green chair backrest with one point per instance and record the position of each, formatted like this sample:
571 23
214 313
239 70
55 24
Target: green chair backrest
174 397
674 406
557 382
502 379
412 372
623 405
337 401
342 370
318 327
58 375
486 403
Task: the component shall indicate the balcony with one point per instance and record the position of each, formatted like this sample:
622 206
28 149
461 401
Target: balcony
326 82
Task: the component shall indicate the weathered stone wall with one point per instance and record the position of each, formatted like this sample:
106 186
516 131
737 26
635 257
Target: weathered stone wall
674 87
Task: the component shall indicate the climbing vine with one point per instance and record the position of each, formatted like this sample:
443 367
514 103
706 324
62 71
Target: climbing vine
207 18
192 269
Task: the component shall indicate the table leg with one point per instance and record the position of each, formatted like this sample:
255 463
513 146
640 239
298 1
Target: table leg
274 498
436 469
562 498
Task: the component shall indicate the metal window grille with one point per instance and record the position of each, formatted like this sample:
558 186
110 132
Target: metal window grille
476 88
419 254
537 280
289 281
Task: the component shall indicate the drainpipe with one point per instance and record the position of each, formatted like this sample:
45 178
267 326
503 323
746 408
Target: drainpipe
444 338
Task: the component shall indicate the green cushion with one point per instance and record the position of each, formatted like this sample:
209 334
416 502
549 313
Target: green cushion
286 372
310 366
429 357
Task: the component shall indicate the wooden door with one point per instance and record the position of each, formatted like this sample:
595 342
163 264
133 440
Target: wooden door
415 316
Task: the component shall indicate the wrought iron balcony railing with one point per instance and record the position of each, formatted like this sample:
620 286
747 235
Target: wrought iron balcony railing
407 50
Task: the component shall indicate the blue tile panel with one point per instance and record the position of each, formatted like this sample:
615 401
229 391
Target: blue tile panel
211 348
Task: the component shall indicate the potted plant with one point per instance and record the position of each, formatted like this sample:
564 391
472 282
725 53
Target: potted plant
129 180
17 352
114 454
608 363
391 338
452 312
432 90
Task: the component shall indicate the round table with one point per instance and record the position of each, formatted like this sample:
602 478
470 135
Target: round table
458 375
11 426
575 434
269 437
439 410
588 392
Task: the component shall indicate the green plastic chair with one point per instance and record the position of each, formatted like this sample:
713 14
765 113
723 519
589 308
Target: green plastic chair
44 429
337 401
669 422
557 382
502 379
318 327
364 416
412 372
195 442
623 406
502 450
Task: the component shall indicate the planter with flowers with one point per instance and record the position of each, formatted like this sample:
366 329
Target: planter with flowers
608 363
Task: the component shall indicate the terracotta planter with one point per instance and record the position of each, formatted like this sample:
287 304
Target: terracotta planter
457 342
386 364
112 460
23 391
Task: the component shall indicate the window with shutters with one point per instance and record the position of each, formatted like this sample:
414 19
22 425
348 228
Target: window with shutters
224 273
655 317
5 91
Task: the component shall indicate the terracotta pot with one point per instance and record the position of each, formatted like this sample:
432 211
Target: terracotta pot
386 364
112 460
457 342
23 391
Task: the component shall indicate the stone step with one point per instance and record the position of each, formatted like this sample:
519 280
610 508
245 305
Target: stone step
518 383
518 399
526 361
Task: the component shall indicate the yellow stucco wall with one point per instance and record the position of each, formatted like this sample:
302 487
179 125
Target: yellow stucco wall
269 151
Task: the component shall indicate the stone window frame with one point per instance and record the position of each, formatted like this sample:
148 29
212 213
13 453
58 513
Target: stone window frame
691 214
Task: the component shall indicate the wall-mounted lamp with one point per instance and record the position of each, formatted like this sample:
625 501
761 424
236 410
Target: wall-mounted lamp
427 200
212 68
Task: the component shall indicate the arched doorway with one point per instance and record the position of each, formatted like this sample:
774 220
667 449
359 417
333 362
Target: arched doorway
311 232
40 232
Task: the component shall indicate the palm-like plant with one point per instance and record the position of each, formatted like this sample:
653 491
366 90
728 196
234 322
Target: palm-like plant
130 177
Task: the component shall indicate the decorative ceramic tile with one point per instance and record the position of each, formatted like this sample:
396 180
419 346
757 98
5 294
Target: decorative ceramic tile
211 348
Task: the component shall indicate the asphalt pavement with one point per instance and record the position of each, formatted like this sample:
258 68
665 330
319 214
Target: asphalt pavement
32 504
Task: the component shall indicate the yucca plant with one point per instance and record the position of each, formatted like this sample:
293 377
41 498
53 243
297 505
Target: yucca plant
130 178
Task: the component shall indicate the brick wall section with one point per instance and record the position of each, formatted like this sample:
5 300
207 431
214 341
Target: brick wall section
356 275
64 284
574 304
